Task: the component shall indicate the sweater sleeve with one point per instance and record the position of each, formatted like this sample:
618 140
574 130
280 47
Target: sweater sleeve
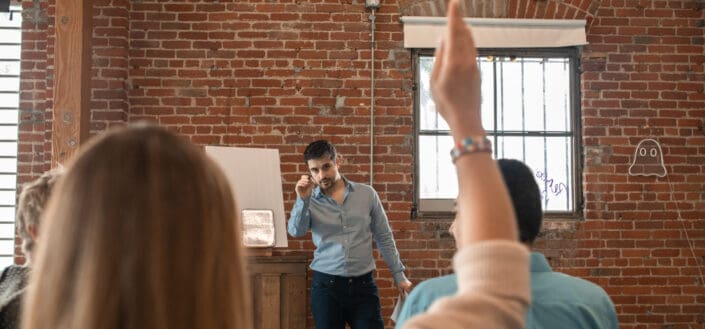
493 290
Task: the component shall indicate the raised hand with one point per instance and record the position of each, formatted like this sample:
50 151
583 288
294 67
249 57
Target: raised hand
484 209
304 187
455 80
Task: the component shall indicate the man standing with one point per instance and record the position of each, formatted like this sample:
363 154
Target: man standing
344 217
557 300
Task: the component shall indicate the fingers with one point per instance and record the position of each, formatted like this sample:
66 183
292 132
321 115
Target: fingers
438 64
405 286
309 180
303 182
456 44
460 40
454 19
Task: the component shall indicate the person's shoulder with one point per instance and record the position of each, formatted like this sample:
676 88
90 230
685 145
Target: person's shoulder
358 185
435 288
14 272
578 282
361 187
13 282
563 301
571 289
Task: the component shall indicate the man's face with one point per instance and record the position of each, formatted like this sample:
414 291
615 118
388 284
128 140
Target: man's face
324 171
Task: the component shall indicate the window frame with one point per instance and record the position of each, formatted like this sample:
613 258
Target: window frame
443 208
16 13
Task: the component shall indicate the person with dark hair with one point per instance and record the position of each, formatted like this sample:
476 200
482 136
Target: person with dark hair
344 217
14 278
558 300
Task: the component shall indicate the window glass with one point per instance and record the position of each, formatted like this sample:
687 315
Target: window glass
527 110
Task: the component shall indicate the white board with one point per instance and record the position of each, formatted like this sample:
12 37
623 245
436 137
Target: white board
255 177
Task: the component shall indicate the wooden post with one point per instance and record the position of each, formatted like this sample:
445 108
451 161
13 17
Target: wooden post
72 78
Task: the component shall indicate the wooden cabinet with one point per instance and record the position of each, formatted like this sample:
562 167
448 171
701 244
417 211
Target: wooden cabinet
278 285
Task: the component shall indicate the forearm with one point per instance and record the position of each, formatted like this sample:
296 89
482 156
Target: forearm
385 242
300 220
391 256
484 208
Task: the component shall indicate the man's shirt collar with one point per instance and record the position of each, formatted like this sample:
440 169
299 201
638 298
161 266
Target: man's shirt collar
349 187
539 263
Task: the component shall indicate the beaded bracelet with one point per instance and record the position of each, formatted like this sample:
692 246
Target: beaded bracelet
471 145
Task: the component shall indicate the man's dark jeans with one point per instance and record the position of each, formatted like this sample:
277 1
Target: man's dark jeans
336 300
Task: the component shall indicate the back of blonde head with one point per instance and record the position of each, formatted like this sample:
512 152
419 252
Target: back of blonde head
31 205
143 232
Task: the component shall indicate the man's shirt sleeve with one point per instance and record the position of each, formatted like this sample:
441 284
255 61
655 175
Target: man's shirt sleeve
300 220
384 239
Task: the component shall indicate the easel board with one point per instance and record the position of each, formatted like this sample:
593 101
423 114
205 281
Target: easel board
255 178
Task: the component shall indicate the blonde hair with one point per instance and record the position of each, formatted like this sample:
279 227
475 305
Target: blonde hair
30 207
144 234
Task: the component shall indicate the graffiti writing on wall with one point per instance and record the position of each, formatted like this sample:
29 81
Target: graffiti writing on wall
551 187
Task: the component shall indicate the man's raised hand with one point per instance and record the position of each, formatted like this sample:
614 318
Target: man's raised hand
304 186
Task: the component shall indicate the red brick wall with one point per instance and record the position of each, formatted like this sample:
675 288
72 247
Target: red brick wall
281 74
32 152
643 76
34 149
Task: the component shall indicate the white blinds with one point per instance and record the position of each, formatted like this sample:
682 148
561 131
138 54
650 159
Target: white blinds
424 32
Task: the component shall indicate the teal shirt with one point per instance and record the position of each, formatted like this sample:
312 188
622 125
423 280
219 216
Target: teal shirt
557 300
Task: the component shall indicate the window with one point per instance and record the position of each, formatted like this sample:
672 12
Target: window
530 109
10 46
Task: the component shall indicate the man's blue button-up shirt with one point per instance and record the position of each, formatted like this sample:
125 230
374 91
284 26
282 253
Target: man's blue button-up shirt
343 233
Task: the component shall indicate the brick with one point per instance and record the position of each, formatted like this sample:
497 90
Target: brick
255 73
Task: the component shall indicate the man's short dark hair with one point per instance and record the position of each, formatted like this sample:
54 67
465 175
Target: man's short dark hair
526 197
319 149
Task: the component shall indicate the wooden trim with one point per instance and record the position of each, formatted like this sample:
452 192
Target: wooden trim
72 78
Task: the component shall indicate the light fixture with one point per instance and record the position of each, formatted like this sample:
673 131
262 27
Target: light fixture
372 4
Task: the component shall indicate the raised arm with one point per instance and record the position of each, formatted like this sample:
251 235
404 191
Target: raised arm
300 220
484 206
491 266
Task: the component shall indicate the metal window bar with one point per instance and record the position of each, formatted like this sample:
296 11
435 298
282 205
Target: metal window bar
495 138
566 104
545 139
501 100
523 112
